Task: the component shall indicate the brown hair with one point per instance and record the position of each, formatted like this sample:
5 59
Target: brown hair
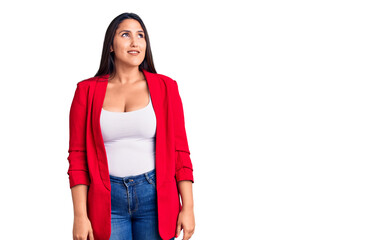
107 64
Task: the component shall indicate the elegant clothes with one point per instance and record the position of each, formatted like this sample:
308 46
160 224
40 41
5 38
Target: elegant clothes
88 160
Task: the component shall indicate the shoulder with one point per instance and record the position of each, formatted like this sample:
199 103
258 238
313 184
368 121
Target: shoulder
87 81
168 81
84 85
161 77
164 77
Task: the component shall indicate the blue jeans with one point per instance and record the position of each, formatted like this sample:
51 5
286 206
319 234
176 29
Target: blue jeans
134 214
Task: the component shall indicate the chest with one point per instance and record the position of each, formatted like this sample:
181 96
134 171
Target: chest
126 98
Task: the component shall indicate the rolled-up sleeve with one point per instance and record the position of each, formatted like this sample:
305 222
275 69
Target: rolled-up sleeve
183 163
77 158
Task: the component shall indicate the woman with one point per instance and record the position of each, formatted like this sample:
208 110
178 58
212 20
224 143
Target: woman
128 151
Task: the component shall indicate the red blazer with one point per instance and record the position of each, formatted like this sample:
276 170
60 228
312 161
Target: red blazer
88 160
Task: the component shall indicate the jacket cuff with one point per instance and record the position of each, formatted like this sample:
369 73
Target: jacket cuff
184 169
78 177
184 174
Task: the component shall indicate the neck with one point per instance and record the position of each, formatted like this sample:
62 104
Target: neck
126 75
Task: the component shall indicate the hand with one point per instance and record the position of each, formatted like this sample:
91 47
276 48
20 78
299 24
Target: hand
82 228
186 221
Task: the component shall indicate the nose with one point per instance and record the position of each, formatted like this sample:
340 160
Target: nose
134 42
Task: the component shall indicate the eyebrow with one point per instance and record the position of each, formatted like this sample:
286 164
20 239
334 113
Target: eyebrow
130 31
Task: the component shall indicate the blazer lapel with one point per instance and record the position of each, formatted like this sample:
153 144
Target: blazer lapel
98 99
158 105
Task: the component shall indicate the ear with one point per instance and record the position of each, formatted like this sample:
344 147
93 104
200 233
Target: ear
111 50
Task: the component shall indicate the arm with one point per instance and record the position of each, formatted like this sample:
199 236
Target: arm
184 169
183 163
78 170
79 180
79 197
82 228
185 189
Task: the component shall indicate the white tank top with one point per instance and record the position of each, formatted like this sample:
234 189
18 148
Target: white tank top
129 139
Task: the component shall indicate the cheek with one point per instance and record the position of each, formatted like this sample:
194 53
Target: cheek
143 44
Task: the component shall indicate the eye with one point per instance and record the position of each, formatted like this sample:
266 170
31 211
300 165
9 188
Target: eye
142 35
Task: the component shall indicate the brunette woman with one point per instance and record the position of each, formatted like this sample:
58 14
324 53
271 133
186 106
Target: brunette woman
129 158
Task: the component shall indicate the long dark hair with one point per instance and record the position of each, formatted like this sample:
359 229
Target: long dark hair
107 65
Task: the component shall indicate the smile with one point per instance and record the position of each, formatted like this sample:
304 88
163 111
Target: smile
134 53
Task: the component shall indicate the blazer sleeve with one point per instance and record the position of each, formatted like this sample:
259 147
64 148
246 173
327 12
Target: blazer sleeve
183 163
78 169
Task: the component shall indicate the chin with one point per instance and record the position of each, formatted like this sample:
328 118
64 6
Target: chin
131 63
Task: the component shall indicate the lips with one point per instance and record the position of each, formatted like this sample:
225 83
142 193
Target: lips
134 52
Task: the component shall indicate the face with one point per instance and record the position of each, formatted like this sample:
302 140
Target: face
129 36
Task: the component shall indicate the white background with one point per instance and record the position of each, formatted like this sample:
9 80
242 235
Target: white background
279 102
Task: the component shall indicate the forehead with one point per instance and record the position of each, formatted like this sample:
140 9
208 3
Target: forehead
129 24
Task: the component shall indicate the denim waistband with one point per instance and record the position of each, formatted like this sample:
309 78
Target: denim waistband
135 178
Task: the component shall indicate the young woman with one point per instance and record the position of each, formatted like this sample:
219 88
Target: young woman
128 152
